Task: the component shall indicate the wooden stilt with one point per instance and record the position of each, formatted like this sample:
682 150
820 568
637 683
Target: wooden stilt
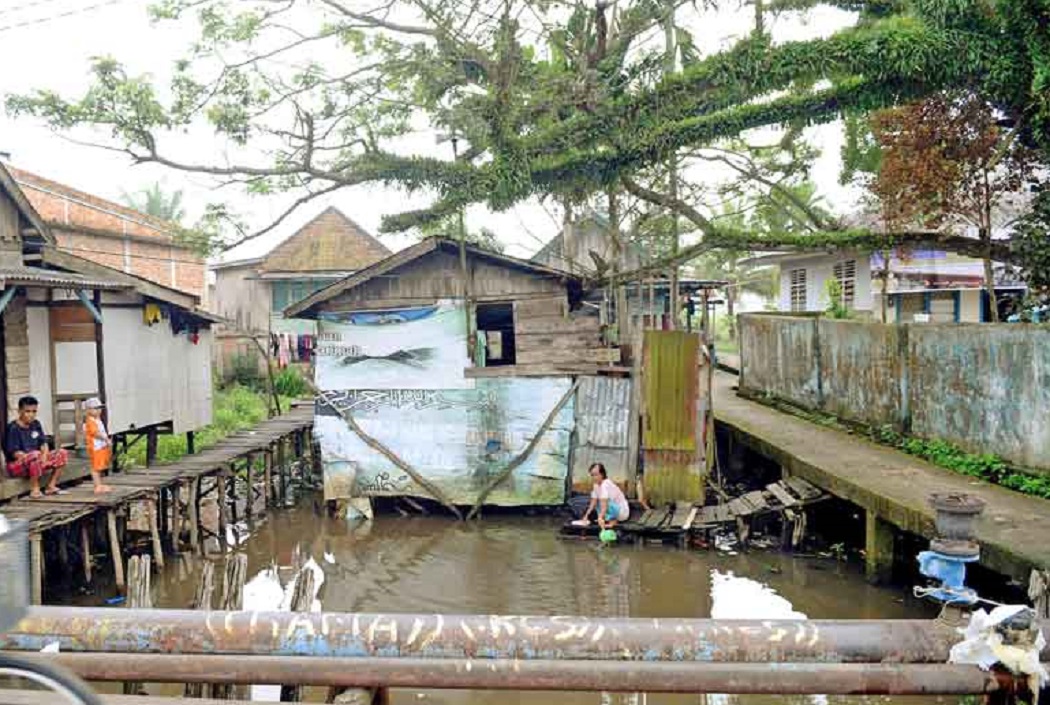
36 568
194 507
282 471
85 548
114 547
151 447
268 477
202 601
220 501
302 599
139 598
63 549
153 507
232 600
176 519
249 494
233 493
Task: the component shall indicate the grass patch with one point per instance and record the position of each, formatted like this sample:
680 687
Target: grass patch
234 409
984 466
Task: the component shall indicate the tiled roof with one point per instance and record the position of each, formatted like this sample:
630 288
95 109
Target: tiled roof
330 242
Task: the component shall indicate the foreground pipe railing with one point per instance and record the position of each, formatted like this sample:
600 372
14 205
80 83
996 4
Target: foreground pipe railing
482 637
506 674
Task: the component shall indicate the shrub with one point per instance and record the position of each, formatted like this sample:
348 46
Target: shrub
289 382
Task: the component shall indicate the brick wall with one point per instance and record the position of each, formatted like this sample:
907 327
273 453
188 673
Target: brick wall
114 235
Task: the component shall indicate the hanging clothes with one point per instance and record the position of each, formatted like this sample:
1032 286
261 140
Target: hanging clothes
151 314
284 352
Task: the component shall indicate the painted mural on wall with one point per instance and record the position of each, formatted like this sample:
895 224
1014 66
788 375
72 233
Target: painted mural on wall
400 375
459 439
414 348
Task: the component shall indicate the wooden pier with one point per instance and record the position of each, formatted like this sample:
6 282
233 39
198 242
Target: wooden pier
172 495
673 522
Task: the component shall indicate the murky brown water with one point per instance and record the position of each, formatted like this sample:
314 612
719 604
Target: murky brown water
518 565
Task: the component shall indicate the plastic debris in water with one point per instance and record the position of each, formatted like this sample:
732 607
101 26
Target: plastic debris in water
607 536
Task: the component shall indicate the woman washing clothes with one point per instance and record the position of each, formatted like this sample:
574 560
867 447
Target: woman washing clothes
609 499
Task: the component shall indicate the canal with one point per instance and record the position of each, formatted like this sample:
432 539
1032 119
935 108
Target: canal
513 564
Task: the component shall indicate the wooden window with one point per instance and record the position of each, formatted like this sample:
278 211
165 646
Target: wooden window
846 274
798 289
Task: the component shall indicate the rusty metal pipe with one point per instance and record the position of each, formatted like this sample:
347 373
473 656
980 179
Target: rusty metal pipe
476 636
506 674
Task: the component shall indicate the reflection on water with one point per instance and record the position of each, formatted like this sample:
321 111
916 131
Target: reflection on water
519 565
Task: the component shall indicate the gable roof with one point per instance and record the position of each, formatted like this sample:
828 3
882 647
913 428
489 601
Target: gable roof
331 242
410 254
53 199
11 188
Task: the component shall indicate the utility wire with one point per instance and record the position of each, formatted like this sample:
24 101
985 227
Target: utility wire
60 15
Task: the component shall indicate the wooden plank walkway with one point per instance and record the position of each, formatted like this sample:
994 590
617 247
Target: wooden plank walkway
171 493
674 522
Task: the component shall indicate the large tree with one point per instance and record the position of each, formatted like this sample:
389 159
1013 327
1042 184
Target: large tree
552 99
947 162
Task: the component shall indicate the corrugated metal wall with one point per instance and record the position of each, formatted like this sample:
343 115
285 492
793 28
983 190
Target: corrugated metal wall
672 456
603 406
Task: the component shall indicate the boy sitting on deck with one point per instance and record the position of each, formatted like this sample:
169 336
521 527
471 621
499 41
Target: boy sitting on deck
28 453
99 447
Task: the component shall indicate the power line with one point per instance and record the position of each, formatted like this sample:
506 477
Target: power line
129 255
25 6
60 15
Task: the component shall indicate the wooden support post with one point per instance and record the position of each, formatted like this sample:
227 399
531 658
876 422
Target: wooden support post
233 493
302 599
153 507
194 501
114 547
249 494
220 501
282 469
176 518
63 549
85 548
151 447
268 477
202 601
878 548
191 443
36 568
139 598
232 600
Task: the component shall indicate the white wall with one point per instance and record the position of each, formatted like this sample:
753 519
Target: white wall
39 324
818 271
970 306
153 376
76 368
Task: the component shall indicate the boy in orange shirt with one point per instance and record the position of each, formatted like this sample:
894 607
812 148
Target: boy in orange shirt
99 447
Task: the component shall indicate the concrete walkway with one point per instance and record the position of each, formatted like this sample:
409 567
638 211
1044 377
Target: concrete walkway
1014 530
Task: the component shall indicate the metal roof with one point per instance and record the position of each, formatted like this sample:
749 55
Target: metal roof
49 278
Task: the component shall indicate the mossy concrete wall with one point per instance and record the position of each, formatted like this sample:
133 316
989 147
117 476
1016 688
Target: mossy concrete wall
983 387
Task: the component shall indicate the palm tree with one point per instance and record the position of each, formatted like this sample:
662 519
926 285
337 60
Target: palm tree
157 202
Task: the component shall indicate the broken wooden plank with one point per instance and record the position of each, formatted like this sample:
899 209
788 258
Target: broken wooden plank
692 517
805 490
785 497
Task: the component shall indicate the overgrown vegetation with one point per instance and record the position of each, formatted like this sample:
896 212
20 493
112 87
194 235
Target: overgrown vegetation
941 453
836 307
233 409
984 466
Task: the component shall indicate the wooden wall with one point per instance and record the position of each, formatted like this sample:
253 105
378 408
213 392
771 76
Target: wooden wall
16 353
437 276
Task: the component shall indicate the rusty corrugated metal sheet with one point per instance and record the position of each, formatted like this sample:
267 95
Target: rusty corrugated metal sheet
52 278
673 458
671 379
615 460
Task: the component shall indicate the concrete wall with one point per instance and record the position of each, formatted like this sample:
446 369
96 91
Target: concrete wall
781 357
983 387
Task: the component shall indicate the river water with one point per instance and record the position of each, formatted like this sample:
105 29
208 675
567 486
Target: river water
519 565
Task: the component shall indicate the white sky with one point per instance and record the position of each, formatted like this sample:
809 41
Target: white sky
48 44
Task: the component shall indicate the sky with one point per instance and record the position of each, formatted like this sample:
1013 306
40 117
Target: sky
47 44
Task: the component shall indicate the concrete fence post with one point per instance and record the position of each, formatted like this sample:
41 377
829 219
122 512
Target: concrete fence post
818 362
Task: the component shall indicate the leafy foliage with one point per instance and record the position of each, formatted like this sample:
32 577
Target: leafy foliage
157 202
552 100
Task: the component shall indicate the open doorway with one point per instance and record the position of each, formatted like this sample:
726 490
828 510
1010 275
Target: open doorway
495 323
